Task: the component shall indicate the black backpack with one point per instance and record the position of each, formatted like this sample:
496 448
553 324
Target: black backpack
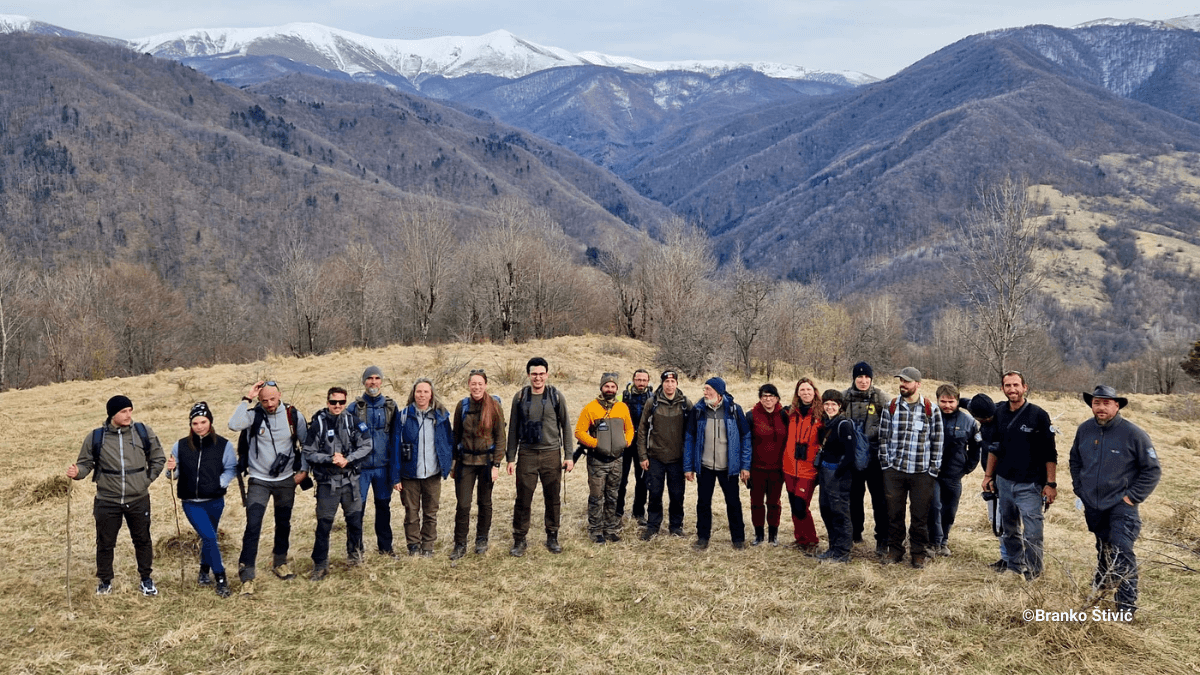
98 441
243 444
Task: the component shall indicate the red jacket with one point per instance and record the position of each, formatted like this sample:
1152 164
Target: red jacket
768 438
803 430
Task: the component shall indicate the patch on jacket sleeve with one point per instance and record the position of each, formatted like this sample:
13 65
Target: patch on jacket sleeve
1150 451
362 427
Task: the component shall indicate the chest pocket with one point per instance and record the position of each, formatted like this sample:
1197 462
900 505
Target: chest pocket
610 437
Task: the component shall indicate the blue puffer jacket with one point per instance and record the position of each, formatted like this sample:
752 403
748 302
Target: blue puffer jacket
406 428
374 411
738 432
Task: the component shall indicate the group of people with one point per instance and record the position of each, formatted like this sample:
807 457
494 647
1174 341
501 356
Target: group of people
908 452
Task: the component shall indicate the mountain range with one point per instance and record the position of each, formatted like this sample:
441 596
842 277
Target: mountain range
829 178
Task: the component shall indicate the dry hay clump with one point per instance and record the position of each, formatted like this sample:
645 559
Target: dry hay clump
1183 525
31 493
1183 409
187 543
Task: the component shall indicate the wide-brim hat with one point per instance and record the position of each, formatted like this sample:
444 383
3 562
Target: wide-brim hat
1105 391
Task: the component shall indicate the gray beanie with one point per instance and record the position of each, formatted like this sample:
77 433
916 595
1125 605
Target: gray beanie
372 370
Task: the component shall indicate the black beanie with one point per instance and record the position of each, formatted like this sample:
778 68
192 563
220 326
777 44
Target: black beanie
768 388
116 404
200 410
863 368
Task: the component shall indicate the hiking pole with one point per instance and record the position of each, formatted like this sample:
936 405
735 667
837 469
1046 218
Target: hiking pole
70 484
178 532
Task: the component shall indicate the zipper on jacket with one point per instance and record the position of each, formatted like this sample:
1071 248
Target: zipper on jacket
121 451
198 455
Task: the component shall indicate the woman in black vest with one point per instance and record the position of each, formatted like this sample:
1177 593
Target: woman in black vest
206 465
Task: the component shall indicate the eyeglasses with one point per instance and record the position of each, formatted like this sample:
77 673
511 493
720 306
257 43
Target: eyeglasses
270 383
333 402
538 374
768 396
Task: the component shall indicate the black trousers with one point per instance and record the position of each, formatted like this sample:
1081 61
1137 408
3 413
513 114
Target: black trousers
708 480
329 499
869 480
629 459
257 495
670 476
108 516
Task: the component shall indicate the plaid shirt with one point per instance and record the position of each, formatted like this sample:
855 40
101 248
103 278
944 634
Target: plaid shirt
909 441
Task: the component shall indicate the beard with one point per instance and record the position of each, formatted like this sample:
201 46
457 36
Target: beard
608 396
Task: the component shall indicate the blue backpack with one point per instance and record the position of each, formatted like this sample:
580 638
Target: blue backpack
862 447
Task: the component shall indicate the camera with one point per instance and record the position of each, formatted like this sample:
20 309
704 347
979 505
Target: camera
989 496
406 451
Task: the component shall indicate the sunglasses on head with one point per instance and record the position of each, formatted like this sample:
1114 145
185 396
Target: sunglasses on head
270 383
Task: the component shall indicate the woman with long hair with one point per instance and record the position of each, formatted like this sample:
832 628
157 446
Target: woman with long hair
422 453
479 447
203 465
799 474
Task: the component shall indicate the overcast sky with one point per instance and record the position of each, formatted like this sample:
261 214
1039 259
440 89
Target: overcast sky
871 36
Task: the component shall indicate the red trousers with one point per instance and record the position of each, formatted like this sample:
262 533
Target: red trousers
800 494
765 485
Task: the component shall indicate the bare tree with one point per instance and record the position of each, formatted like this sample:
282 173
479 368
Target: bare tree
15 282
626 274
683 302
145 316
747 310
300 298
428 242
998 272
506 259
359 271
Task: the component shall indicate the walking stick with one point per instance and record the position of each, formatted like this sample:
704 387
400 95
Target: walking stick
178 532
70 609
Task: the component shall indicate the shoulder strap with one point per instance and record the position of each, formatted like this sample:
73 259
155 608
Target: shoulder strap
97 442
291 418
145 436
360 409
466 402
892 406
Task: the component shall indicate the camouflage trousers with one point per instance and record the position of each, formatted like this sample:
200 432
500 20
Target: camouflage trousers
604 482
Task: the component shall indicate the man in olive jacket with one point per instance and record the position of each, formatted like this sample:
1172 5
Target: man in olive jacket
660 452
1113 469
129 459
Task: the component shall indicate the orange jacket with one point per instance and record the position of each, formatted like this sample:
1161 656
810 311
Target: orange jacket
802 429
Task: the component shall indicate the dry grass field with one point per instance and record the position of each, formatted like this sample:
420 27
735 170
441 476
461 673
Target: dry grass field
629 607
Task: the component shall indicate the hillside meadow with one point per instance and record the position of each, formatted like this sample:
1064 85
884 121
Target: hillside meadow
633 607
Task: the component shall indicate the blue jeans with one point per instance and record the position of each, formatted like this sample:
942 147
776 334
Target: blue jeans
204 517
377 480
1021 517
708 479
1116 529
946 495
834 501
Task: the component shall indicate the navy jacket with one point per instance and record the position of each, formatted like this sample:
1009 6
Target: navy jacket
406 428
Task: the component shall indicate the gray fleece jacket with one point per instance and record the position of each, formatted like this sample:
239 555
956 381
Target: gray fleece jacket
126 470
1112 461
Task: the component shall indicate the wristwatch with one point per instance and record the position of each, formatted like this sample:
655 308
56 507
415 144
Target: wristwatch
247 399
1052 484
495 465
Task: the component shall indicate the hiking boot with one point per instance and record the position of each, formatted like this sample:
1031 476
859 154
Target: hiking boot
739 545
355 559
843 558
999 566
518 548
481 546
222 588
759 536
284 572
824 554
773 536
104 588
700 545
892 558
389 553
641 521
552 544
204 579
318 574
918 562
676 532
148 589
597 539
426 553
648 534
943 551
613 537
414 549
881 550
459 551
247 587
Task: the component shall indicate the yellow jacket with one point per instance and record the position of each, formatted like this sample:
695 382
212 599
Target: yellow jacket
593 412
